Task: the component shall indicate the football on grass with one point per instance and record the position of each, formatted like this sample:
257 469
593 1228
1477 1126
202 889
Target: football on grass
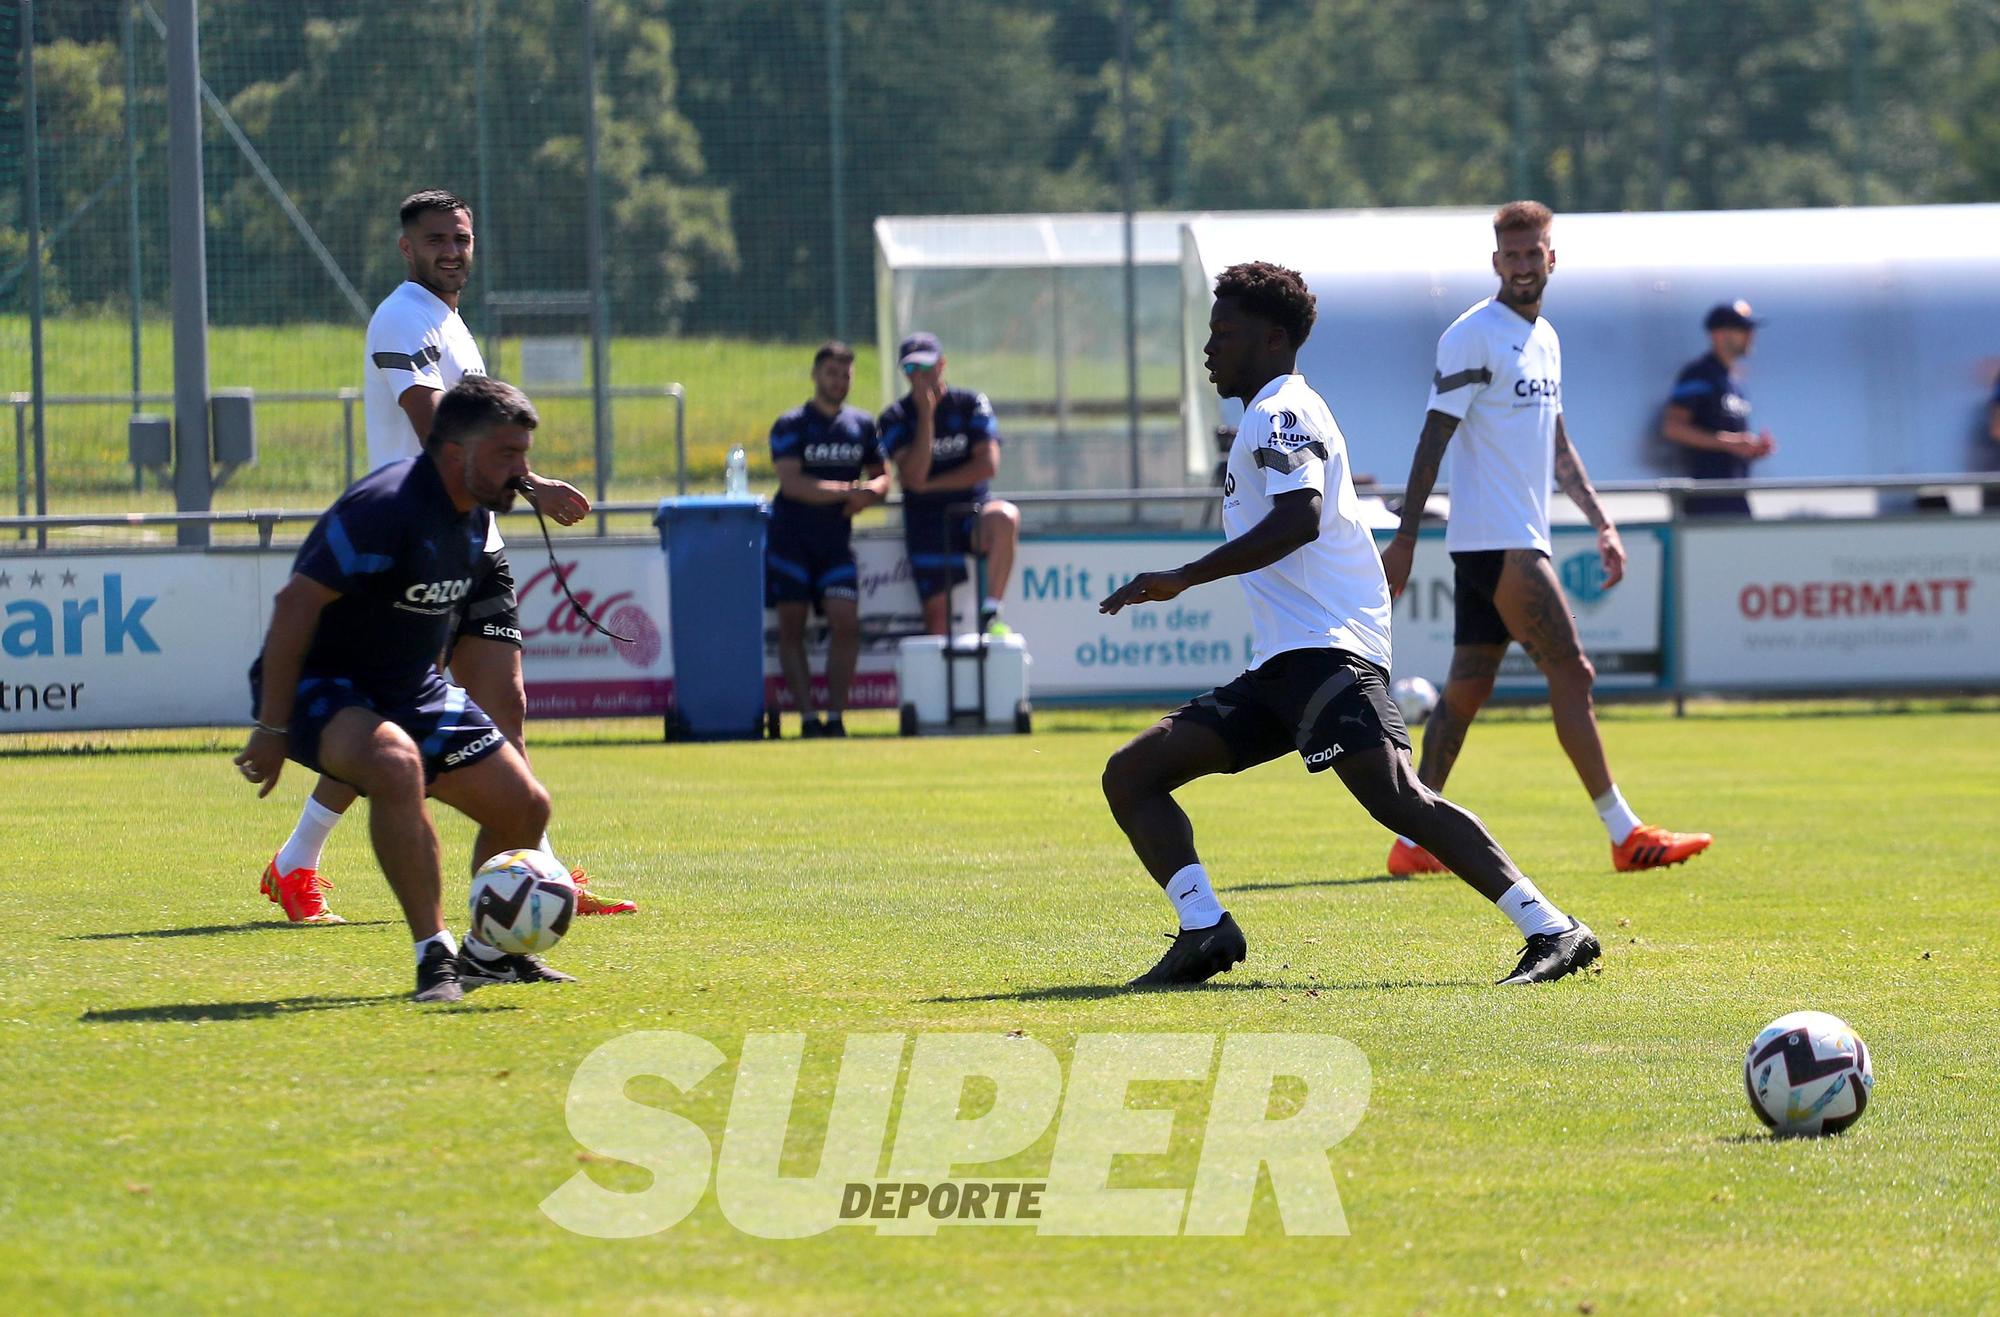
1808 1073
522 902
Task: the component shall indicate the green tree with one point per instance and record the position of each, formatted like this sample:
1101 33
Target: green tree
354 108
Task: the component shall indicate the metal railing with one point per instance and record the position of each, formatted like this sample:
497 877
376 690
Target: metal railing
266 520
347 398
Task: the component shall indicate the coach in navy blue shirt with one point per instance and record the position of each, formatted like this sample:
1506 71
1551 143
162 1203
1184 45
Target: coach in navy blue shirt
1992 499
348 683
829 468
946 448
1709 416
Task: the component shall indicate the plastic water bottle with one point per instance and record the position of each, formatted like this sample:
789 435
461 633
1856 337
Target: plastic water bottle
736 476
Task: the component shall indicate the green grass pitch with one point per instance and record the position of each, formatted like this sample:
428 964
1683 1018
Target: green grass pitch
201 1107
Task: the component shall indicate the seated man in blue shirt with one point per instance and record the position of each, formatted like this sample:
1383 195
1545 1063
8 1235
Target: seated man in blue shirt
946 447
829 469
1992 497
1710 417
348 683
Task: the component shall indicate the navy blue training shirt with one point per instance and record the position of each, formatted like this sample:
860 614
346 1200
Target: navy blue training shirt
962 419
828 448
1715 400
402 557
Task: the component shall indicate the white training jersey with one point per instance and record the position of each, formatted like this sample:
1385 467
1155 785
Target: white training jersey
1502 378
413 339
1329 594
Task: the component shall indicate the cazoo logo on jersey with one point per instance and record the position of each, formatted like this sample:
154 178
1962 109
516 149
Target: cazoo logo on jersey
989 1131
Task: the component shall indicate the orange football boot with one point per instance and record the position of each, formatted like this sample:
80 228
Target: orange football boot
301 893
588 903
1406 860
1651 847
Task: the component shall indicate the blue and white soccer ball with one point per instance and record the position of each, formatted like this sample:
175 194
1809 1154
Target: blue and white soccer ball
1808 1073
1415 699
522 902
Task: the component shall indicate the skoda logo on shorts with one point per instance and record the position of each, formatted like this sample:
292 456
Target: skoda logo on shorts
1583 578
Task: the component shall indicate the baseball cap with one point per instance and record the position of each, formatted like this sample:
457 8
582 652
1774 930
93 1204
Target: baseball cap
919 350
1730 315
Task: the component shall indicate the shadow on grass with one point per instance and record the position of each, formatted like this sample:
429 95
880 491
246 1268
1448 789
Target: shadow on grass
1098 991
257 1010
1095 991
1316 882
203 930
87 749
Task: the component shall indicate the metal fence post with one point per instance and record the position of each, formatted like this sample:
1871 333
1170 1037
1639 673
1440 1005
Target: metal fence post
835 131
600 350
20 461
1676 597
136 274
1128 187
193 487
347 433
32 203
679 395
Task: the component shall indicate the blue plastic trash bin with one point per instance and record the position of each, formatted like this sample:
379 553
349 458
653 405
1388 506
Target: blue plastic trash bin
715 590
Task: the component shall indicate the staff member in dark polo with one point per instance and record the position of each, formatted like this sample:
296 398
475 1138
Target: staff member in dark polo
945 445
1709 416
1991 499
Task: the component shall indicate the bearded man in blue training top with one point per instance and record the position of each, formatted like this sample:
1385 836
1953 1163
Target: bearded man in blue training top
348 683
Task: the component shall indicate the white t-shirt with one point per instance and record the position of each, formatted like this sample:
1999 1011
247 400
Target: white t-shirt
413 339
1502 378
1329 594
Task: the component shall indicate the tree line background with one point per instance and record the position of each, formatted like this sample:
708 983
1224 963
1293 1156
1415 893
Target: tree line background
735 139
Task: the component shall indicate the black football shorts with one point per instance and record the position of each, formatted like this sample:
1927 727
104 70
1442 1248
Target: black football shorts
1322 703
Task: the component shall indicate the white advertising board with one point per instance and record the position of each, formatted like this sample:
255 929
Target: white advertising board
165 639
91 641
1851 605
570 670
1202 639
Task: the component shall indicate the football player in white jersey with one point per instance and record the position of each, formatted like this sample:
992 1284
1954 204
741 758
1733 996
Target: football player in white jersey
417 348
1319 611
1499 386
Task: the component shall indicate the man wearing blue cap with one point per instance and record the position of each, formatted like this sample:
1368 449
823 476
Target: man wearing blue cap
946 449
1710 417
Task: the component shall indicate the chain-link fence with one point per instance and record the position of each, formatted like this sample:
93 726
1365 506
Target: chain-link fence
745 151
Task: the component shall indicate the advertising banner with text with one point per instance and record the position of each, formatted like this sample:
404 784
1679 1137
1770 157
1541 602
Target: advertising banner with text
570 670
1852 605
1202 639
165 639
92 641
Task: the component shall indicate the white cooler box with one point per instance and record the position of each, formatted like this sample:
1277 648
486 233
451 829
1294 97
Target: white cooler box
974 683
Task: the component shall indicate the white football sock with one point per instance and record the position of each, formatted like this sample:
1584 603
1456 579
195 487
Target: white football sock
550 850
1406 841
302 849
1194 900
441 938
480 951
1619 820
1531 912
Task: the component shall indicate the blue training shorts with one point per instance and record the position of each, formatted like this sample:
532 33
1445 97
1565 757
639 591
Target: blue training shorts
938 536
809 563
451 731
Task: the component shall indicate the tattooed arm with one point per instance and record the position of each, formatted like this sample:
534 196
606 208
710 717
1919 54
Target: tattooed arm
1438 430
1574 481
